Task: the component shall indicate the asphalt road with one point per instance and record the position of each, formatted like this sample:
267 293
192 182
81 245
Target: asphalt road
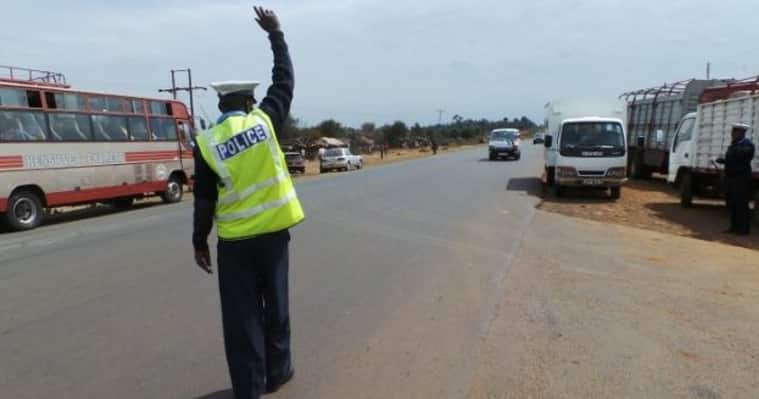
395 278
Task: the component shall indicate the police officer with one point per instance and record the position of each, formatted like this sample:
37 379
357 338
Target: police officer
737 163
241 181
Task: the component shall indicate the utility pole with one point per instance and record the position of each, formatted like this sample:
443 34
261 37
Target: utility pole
708 70
189 88
440 116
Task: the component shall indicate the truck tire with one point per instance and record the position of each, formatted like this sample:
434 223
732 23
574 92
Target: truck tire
637 169
558 191
174 190
616 192
24 211
686 189
633 167
491 157
551 176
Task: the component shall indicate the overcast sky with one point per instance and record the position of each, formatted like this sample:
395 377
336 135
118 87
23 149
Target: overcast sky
369 60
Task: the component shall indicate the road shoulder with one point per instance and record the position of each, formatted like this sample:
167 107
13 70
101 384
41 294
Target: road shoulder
595 310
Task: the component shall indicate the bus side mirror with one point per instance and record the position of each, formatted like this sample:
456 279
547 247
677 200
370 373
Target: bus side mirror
548 141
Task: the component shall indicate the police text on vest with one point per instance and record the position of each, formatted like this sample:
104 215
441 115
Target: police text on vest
241 142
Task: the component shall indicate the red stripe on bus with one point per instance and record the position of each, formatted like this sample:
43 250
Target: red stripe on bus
12 158
19 166
151 156
101 193
152 159
3 204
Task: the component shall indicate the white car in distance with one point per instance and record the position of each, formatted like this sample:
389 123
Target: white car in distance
339 159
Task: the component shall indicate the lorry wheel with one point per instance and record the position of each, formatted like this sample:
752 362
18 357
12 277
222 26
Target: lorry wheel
24 211
686 190
558 191
491 157
636 168
550 176
616 192
174 190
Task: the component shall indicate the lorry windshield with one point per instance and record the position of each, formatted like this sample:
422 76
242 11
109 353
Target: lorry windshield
592 135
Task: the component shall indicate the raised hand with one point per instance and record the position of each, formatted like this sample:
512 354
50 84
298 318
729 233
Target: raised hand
267 19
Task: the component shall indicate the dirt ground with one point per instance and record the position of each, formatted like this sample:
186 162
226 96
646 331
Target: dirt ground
652 205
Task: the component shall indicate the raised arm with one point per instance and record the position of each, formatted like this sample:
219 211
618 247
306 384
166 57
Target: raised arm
279 96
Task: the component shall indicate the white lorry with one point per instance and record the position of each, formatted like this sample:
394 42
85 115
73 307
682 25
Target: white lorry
703 136
586 145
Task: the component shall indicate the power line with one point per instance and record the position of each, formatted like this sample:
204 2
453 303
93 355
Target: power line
189 88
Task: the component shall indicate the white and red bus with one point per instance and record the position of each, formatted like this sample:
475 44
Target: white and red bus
61 147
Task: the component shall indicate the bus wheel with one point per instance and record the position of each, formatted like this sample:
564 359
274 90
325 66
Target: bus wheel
24 211
174 191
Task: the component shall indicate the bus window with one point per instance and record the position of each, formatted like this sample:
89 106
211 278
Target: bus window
13 98
138 128
65 101
160 108
110 128
105 104
22 126
114 104
163 129
137 107
70 127
34 98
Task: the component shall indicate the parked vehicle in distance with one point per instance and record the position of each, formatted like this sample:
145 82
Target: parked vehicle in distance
295 162
652 119
703 136
538 139
585 145
504 143
339 159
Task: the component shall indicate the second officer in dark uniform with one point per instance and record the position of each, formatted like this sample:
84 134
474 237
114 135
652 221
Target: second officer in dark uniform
738 173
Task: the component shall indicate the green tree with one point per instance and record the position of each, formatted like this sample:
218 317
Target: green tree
331 128
396 133
368 127
289 129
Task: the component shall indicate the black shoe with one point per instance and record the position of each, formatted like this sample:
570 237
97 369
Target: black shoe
275 385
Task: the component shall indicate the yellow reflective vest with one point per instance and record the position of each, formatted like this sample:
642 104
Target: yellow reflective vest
256 193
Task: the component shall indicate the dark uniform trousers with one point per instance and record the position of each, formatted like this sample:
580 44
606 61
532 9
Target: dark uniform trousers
738 196
253 279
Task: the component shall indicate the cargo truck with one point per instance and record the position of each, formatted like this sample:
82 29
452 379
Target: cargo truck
585 145
703 136
652 119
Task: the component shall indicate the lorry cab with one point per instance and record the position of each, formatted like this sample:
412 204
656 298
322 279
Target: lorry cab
681 153
587 152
